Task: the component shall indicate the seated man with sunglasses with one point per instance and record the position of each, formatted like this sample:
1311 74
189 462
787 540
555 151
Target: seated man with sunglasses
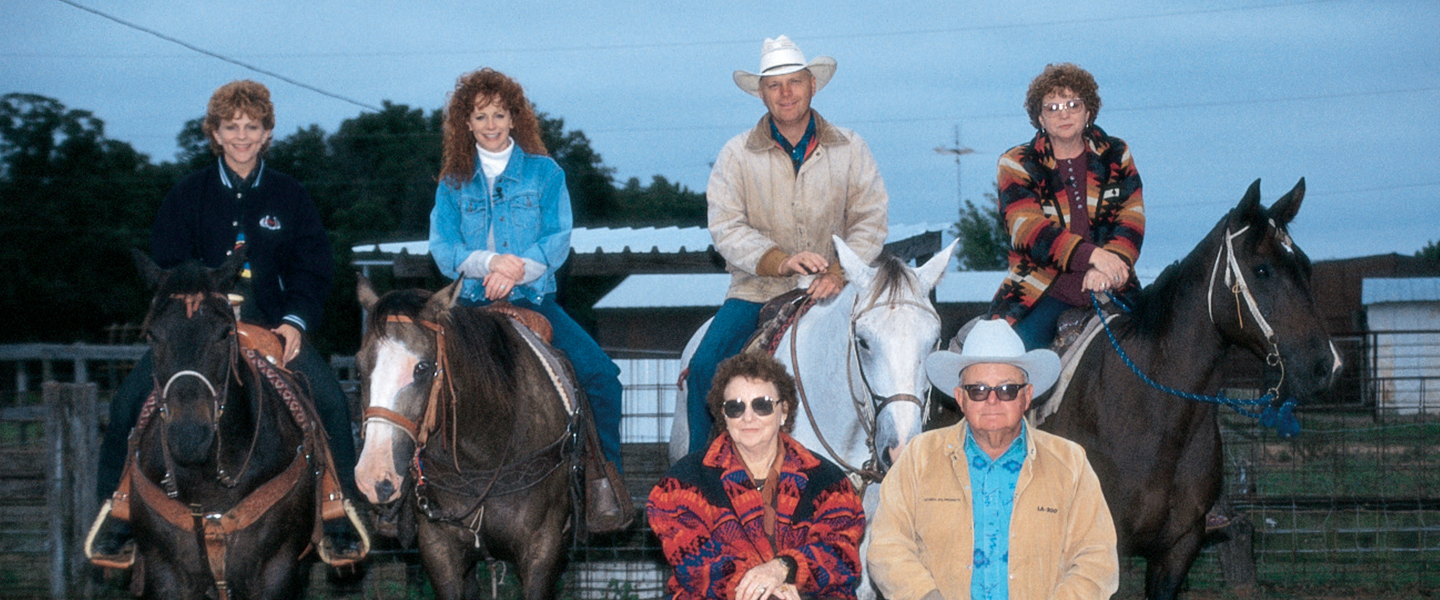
756 515
992 508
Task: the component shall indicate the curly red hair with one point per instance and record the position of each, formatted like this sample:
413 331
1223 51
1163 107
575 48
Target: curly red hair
246 97
477 89
1061 77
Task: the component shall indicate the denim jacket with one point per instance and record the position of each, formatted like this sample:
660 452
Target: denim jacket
529 211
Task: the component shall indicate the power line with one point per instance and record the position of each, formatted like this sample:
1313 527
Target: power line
220 56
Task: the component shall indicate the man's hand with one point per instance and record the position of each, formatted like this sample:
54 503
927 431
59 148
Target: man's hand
762 581
292 338
498 285
804 263
826 286
508 265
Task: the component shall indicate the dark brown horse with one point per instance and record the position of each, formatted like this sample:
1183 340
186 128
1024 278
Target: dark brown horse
1158 456
460 409
222 494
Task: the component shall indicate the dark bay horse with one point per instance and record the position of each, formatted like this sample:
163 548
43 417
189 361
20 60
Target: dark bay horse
463 415
222 493
1158 456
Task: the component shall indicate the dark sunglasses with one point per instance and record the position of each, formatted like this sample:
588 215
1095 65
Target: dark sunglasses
979 392
763 406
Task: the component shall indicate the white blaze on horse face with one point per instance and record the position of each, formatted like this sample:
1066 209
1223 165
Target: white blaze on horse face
394 371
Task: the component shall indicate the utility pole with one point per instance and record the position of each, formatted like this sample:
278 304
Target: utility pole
958 151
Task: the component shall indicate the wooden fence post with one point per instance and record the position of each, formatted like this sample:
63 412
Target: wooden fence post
1237 556
73 443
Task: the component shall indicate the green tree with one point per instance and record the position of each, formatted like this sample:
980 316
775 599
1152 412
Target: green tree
662 203
71 203
984 241
1430 252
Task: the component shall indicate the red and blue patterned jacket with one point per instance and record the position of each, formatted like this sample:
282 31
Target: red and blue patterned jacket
1036 209
709 519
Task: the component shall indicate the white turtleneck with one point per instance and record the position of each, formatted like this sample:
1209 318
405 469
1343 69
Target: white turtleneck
477 265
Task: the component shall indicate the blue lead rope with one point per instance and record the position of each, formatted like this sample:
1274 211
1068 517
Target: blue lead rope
1281 419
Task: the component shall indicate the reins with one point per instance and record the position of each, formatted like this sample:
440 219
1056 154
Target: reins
1281 417
867 473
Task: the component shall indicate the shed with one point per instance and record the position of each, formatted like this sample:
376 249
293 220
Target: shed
1403 315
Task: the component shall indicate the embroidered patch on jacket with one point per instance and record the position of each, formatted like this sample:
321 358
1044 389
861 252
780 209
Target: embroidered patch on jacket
270 222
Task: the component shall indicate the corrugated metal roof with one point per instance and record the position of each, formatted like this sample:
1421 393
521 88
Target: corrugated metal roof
1376 290
585 240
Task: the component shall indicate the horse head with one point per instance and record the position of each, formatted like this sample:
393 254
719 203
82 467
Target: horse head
400 363
192 332
1260 296
893 327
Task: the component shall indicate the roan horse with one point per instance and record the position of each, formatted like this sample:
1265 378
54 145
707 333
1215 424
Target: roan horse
1158 456
222 497
464 419
857 360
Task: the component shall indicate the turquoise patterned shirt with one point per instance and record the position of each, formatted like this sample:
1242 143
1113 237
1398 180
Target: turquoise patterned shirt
992 490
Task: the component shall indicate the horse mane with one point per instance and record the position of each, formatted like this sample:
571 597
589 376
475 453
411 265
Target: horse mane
891 279
486 343
406 303
185 280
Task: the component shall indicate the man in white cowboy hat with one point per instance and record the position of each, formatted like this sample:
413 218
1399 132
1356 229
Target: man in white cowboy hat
777 194
991 508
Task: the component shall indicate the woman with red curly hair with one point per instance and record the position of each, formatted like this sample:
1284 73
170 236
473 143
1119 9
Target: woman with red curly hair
1071 199
502 220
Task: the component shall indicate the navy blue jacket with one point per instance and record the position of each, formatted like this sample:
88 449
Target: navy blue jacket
285 242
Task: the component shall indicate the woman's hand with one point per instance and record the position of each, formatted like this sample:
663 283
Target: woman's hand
1110 265
292 338
760 582
498 285
508 265
1097 282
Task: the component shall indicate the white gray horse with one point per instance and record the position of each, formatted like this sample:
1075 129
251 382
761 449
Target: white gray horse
857 359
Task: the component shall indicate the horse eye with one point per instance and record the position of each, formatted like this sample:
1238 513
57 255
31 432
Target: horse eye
864 345
423 369
1262 271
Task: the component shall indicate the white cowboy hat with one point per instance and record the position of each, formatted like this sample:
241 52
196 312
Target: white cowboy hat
780 56
993 342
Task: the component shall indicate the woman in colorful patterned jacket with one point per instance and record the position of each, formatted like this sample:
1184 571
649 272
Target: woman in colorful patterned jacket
1072 204
502 220
756 515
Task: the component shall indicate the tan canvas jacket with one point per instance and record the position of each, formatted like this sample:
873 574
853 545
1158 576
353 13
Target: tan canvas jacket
761 211
1062 540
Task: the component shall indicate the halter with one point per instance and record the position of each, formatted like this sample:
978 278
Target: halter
420 432
866 473
1235 280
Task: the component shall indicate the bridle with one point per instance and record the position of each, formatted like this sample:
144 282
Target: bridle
218 398
1235 281
868 472
420 428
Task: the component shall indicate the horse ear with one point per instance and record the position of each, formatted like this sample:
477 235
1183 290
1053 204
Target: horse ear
1249 210
855 268
149 271
934 269
1288 205
365 293
444 299
224 278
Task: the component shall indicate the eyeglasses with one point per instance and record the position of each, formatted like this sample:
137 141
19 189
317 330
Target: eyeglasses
763 406
1071 104
979 392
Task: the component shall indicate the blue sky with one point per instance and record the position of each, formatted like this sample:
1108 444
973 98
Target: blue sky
1210 95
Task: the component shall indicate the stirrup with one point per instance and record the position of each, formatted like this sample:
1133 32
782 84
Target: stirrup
330 555
123 560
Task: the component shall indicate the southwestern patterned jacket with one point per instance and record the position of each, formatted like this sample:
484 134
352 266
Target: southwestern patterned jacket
709 519
1036 208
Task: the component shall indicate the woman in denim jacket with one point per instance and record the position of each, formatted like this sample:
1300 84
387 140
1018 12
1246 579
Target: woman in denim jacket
502 220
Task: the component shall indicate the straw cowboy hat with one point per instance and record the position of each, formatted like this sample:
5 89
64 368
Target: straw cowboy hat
780 56
993 342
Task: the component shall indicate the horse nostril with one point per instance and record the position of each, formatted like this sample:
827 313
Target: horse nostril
383 491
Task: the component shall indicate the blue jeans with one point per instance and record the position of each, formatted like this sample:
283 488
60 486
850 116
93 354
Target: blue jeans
1038 328
732 326
594 370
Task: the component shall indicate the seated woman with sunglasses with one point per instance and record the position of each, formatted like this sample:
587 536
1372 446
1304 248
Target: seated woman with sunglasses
756 515
1071 200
